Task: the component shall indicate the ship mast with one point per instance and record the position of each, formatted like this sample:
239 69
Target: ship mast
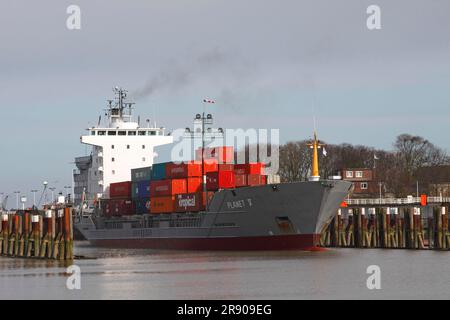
315 145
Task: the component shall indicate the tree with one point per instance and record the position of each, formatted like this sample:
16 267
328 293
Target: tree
295 161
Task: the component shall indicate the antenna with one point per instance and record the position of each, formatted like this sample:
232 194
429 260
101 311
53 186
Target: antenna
99 120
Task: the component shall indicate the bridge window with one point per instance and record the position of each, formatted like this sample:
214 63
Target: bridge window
102 133
151 133
131 133
92 133
112 133
142 133
122 133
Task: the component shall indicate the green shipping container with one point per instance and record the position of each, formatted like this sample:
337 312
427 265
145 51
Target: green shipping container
141 174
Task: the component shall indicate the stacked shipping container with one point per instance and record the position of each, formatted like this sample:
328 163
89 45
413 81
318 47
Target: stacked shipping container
141 189
172 187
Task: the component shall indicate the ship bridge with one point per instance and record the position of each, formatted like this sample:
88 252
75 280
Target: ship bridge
119 146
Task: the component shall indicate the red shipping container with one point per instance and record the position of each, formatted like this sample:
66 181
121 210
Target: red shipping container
241 180
249 168
183 170
125 207
220 180
194 184
115 207
221 154
191 202
255 180
162 205
208 165
226 167
120 189
163 188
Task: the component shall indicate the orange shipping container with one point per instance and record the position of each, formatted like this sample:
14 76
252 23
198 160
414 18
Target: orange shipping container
208 166
255 180
249 168
162 204
194 184
241 180
163 188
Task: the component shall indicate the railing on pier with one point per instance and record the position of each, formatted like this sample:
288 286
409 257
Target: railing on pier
396 201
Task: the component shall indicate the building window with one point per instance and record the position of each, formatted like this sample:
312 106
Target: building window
364 186
359 174
114 172
112 159
128 146
349 174
112 146
143 146
143 159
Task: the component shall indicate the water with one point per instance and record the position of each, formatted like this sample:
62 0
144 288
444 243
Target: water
147 274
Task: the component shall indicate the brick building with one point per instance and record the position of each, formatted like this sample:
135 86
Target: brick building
364 182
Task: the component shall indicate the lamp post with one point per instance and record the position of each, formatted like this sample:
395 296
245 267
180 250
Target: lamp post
34 197
67 190
17 198
52 189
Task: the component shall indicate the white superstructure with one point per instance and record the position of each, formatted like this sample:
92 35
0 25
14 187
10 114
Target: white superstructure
117 148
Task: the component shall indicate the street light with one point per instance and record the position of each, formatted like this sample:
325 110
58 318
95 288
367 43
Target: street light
52 189
34 197
17 198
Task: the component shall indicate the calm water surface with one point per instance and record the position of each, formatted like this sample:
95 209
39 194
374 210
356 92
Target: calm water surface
147 274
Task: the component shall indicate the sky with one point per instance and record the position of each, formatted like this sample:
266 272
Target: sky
268 64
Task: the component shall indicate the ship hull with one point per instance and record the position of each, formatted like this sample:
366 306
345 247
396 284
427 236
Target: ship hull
307 242
286 216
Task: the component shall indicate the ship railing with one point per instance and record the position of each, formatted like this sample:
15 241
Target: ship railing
396 201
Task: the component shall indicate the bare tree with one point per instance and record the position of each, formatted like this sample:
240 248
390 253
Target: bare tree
295 161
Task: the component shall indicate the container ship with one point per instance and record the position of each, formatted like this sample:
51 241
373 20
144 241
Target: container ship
126 200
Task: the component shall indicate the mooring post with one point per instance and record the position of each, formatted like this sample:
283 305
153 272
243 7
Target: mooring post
349 229
68 236
444 227
5 233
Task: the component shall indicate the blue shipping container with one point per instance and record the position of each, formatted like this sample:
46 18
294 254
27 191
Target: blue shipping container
143 189
159 171
142 205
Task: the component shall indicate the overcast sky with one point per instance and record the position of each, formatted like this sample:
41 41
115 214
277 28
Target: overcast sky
264 62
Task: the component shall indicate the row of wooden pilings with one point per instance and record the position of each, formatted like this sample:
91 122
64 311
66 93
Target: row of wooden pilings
44 234
400 228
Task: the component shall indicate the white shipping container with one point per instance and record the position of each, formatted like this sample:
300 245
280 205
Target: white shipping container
273 179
